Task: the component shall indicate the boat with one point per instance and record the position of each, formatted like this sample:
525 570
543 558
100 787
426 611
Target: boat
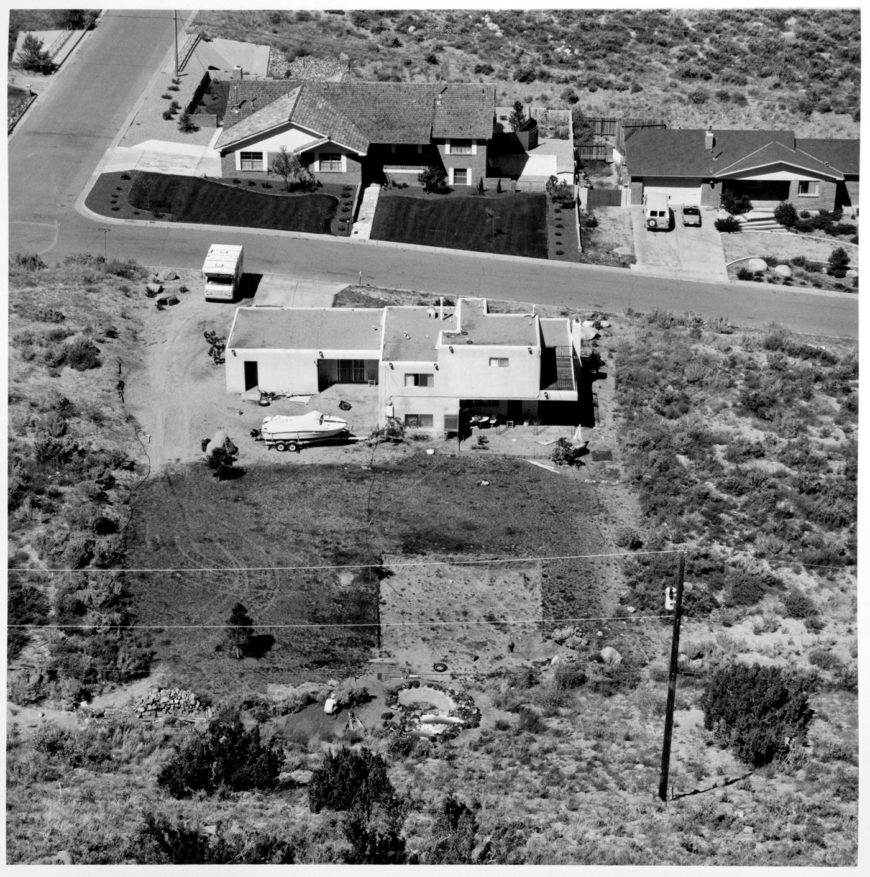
287 430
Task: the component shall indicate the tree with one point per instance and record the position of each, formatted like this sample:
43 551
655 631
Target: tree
785 214
186 124
762 713
454 834
288 166
219 454
838 262
517 118
240 630
433 180
34 58
558 190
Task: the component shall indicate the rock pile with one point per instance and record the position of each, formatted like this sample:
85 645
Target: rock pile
170 700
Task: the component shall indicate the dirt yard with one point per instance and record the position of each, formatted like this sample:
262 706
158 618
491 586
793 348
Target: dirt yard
611 241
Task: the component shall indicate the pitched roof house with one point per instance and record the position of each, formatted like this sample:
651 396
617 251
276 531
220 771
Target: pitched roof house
695 166
344 131
428 364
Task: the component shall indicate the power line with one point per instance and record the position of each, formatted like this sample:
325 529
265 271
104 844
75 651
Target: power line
330 566
513 622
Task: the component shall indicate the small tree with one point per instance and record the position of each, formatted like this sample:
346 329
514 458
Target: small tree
186 124
727 224
517 118
565 454
295 175
838 262
735 203
454 834
433 180
785 214
240 630
33 58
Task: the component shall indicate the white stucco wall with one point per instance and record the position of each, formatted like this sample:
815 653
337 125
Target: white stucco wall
467 374
293 372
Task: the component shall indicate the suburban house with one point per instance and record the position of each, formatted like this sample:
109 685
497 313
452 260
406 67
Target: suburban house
351 132
697 166
428 364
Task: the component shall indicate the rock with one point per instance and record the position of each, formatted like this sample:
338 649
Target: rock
588 333
560 634
301 777
152 289
165 276
168 298
783 270
755 265
852 272
330 707
610 656
604 324
575 642
589 324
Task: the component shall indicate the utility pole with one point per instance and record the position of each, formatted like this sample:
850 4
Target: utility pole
672 682
175 28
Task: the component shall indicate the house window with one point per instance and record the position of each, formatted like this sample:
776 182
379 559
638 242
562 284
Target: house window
250 161
461 147
419 380
808 188
461 176
331 162
499 361
419 420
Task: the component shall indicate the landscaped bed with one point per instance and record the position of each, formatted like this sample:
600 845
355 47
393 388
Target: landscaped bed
171 198
518 227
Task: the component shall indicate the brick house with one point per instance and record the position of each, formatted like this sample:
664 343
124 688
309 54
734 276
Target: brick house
351 132
697 166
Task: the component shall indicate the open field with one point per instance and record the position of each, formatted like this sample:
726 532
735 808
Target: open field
753 68
460 222
145 195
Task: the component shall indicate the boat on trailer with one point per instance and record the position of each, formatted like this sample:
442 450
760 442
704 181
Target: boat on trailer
289 432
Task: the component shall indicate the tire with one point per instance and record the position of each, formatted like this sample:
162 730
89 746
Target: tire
280 446
292 446
440 667
651 224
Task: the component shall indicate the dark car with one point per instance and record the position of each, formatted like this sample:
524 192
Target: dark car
691 214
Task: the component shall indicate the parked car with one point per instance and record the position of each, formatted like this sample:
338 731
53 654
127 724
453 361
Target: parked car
691 214
656 212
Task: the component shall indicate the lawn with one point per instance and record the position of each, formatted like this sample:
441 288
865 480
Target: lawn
460 222
145 195
321 515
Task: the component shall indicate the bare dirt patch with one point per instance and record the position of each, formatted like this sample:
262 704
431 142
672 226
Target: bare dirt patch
610 242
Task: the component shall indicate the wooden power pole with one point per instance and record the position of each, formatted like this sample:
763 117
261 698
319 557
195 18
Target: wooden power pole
672 681
175 28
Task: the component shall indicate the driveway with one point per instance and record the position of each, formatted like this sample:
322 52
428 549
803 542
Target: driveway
687 253
164 157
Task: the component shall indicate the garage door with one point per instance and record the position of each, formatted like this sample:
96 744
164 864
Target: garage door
680 190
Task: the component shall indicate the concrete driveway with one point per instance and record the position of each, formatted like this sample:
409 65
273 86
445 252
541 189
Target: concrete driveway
164 157
687 253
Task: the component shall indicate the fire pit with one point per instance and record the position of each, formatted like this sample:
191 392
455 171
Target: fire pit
433 710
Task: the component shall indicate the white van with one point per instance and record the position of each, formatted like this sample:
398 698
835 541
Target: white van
656 212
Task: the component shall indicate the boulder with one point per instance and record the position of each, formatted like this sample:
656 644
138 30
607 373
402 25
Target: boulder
604 324
610 656
330 707
168 298
301 777
852 272
165 276
152 289
575 642
783 270
560 634
755 265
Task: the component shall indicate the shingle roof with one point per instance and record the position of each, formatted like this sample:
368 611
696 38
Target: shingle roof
273 114
357 114
664 152
410 334
307 329
777 153
844 155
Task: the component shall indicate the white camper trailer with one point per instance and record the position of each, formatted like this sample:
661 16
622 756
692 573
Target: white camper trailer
222 272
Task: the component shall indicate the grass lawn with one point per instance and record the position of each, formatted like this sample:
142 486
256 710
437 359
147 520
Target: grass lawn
322 515
145 195
460 222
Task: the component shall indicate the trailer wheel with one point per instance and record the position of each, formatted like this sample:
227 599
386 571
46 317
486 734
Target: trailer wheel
280 446
293 447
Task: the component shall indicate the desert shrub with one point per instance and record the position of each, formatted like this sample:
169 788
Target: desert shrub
628 537
785 214
225 756
453 836
28 262
728 224
530 722
762 713
565 454
129 269
25 605
799 605
825 660
569 676
744 274
81 355
747 588
350 780
610 679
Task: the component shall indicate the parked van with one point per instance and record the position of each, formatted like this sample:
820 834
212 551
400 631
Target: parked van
656 212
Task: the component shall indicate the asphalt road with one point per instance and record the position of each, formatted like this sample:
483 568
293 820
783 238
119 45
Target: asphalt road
60 143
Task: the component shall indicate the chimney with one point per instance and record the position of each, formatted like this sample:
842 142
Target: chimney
709 139
441 309
238 73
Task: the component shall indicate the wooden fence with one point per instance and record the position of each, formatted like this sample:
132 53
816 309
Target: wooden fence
593 152
603 198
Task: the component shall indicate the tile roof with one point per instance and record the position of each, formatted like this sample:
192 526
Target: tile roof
844 155
411 333
357 114
777 153
665 152
308 329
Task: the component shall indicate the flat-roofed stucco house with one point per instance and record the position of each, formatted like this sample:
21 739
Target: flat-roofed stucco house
427 363
698 166
351 132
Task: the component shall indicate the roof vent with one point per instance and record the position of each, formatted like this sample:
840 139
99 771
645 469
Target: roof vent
709 139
